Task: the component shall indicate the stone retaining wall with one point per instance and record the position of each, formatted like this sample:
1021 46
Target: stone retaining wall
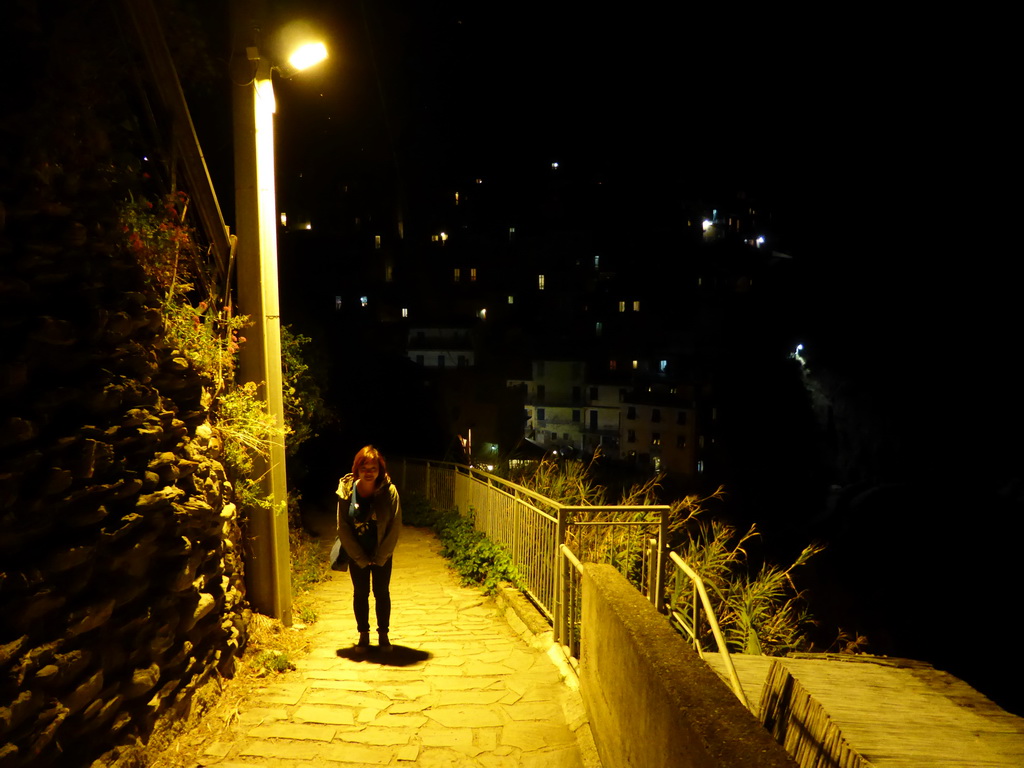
121 584
651 700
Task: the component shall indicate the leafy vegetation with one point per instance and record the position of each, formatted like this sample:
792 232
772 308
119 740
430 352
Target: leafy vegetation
472 555
759 607
272 661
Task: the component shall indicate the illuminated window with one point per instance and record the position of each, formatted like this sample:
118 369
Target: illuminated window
635 364
376 242
597 261
663 365
284 219
622 306
456 198
598 326
540 282
458 274
472 274
612 365
364 301
337 302
389 274
636 306
700 466
631 436
554 166
511 299
405 311
656 438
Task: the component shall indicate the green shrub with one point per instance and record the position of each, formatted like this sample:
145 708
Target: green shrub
476 559
272 661
416 511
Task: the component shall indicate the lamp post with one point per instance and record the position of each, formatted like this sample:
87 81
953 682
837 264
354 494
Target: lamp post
268 571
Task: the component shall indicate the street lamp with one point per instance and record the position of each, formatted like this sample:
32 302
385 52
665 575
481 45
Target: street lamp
268 571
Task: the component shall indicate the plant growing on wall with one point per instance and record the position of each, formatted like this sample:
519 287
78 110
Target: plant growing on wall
195 321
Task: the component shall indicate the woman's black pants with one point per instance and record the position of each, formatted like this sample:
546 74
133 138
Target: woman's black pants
380 578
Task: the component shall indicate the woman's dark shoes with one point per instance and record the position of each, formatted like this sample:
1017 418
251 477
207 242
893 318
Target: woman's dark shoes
364 640
383 642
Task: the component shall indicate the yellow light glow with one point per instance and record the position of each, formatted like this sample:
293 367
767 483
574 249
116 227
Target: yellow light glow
308 55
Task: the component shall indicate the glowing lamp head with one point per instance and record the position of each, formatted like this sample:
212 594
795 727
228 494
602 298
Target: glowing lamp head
307 55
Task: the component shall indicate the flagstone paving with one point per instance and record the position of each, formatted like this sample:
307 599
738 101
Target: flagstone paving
460 687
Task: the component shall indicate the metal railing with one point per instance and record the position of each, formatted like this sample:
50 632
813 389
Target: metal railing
549 542
689 626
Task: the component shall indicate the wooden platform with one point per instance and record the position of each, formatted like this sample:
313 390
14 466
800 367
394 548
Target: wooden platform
840 711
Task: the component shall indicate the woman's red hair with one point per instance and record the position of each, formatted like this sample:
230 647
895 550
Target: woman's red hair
369 453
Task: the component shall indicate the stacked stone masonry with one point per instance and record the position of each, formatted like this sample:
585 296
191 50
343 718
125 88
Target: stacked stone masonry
121 584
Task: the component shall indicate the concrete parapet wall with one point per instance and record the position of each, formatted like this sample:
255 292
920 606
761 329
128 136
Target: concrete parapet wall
650 698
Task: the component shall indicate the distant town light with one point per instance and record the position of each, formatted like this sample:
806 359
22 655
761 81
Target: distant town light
795 355
760 240
284 219
706 224
308 225
554 166
364 300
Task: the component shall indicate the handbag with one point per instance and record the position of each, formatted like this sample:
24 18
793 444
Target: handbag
339 557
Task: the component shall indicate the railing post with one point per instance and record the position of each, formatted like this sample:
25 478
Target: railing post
561 606
659 558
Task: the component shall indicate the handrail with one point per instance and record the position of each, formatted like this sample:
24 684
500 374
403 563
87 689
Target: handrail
715 630
153 46
567 553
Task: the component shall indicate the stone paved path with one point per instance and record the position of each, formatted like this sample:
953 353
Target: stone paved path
460 688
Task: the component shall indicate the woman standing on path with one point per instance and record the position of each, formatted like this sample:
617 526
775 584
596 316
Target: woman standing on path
369 521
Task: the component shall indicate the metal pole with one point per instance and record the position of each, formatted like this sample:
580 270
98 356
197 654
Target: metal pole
269 570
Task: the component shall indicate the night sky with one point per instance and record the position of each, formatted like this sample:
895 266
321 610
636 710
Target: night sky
877 139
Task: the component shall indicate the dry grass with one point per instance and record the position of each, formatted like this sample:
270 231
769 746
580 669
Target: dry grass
216 707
